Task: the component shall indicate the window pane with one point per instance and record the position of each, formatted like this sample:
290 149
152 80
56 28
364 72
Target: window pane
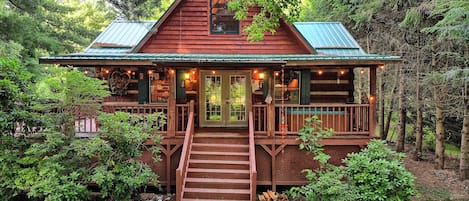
223 21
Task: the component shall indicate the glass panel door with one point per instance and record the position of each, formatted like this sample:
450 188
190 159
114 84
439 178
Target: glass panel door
224 98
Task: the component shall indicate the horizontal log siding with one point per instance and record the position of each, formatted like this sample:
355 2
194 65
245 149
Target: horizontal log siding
187 30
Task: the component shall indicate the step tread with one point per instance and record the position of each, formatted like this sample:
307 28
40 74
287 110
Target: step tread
219 145
217 190
228 162
231 153
213 180
233 171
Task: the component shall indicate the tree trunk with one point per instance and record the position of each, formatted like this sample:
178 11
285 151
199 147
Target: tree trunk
391 106
402 113
440 131
464 160
418 132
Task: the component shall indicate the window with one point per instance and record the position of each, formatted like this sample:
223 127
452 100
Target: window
287 86
222 20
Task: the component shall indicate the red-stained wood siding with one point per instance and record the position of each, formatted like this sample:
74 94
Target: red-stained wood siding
186 30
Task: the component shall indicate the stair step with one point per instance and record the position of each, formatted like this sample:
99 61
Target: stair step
218 147
218 173
233 171
212 180
220 153
215 193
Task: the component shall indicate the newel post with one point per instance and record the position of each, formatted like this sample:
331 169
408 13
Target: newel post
172 103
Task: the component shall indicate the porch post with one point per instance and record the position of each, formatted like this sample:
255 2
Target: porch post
372 101
271 106
172 103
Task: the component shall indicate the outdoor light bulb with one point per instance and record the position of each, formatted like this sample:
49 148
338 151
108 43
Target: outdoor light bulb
342 72
255 71
362 71
129 71
150 72
381 67
213 72
171 71
106 71
261 76
276 74
320 72
86 71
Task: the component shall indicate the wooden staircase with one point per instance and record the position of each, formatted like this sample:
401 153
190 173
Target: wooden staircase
218 168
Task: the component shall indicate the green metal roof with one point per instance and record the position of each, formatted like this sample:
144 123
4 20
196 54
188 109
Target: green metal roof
120 36
219 57
329 38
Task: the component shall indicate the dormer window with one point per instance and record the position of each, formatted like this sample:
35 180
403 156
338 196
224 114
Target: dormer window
222 20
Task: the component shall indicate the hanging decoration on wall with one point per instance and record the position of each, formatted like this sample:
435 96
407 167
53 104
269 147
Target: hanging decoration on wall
118 82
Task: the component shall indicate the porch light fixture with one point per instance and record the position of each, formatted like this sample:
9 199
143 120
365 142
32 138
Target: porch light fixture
129 72
320 72
261 76
342 72
150 72
213 72
187 76
381 66
371 99
362 71
106 71
86 72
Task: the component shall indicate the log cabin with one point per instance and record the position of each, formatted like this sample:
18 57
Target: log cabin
233 107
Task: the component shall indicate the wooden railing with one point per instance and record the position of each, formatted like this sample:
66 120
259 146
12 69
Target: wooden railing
87 123
345 119
252 158
181 171
260 119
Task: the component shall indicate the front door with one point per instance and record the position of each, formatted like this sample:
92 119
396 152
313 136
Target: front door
224 98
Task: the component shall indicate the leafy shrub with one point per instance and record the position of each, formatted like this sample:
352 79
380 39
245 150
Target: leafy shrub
119 172
377 173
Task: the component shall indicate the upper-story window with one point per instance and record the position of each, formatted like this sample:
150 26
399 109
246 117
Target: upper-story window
222 20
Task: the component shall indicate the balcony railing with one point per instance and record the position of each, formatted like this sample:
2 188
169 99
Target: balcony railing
345 119
87 123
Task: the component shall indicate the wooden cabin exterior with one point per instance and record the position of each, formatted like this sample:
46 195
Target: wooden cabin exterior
234 108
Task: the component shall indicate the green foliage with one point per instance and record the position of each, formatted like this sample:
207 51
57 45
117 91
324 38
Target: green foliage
70 92
16 96
270 15
119 172
310 136
455 24
377 173
325 185
51 169
429 139
135 9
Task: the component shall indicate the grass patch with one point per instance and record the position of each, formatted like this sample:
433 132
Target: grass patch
432 193
452 150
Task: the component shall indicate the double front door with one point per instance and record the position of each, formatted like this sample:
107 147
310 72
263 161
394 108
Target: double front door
224 98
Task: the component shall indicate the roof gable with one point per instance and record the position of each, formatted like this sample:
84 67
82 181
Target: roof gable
184 28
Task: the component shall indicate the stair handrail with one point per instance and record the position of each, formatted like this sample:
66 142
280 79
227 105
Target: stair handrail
181 171
252 158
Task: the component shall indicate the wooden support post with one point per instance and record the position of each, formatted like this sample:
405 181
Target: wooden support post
271 106
172 104
372 101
